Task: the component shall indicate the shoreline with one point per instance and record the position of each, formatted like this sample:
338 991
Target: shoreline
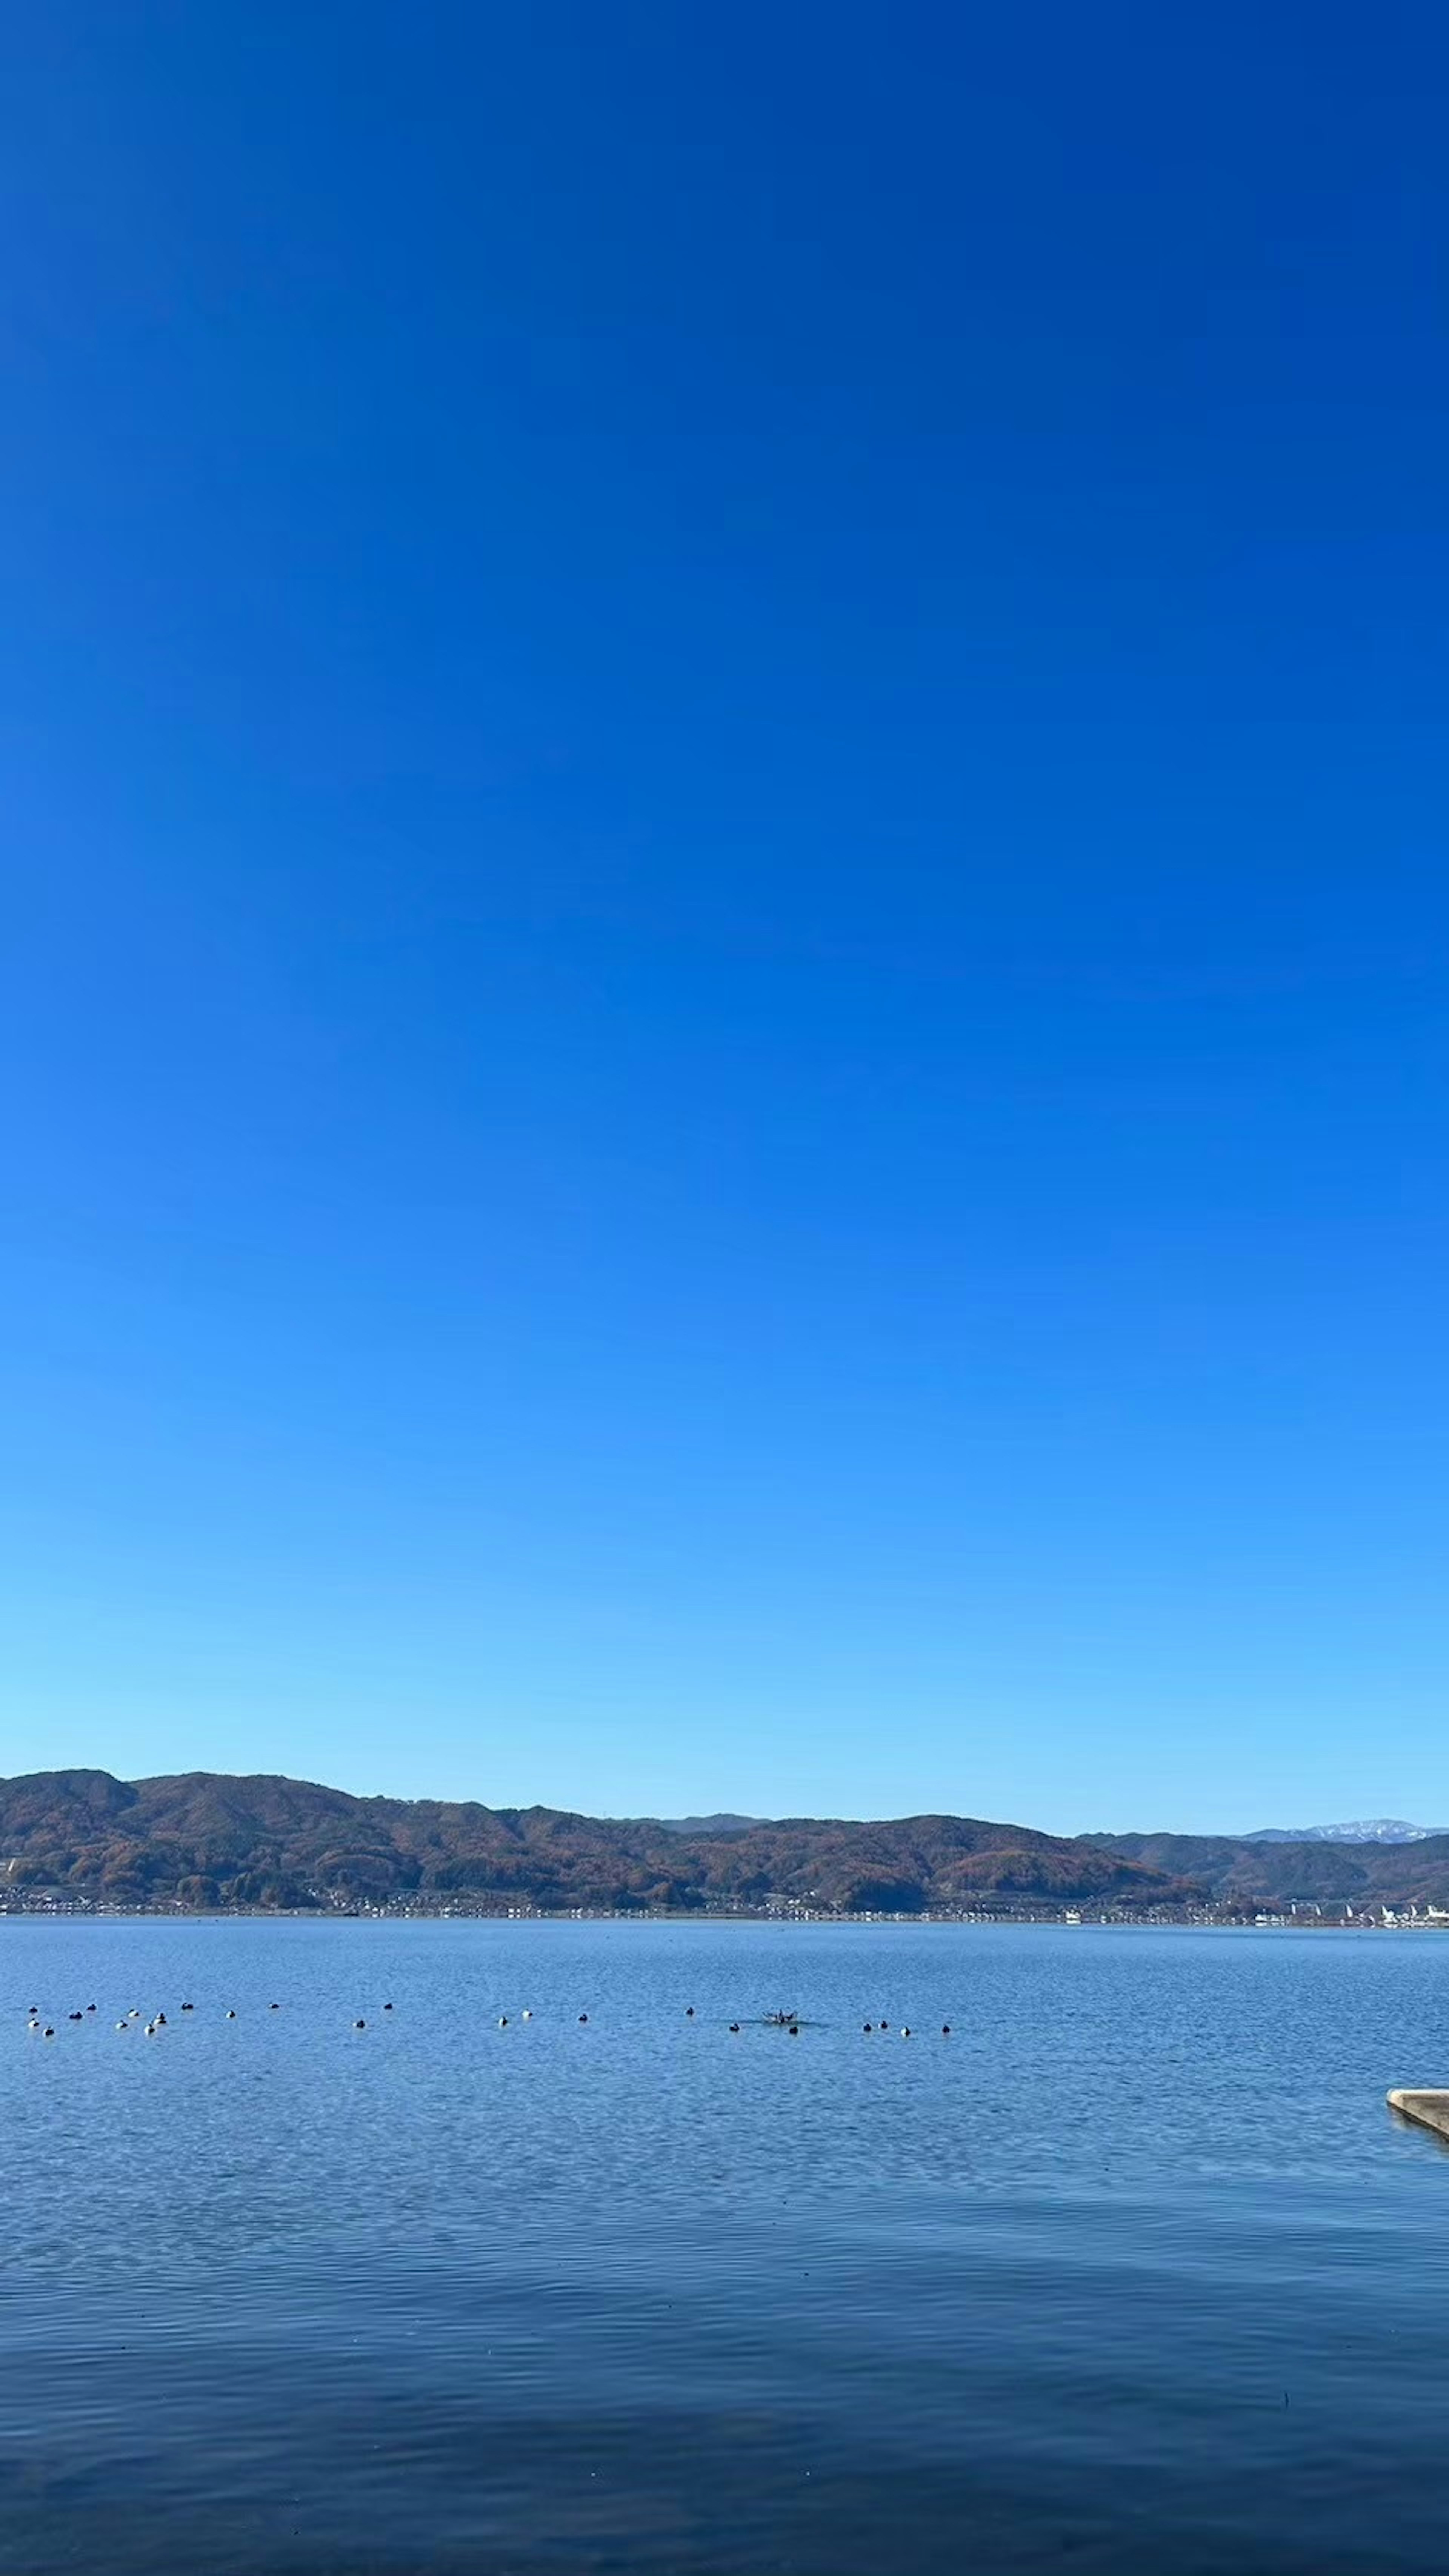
924 1921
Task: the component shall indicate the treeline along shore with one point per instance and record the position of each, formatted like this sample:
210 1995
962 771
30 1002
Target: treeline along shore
209 1842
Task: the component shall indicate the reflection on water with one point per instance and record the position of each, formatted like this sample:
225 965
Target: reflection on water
1131 2271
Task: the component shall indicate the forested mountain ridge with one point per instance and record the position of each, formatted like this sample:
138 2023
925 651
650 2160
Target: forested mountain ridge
1249 1872
209 1839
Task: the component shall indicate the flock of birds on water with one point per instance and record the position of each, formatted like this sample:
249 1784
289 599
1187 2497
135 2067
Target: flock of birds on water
790 2022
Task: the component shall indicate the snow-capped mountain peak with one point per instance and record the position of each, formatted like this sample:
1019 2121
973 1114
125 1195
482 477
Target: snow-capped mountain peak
1375 1829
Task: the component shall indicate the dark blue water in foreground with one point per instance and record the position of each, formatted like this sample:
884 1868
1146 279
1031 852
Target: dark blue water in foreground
1133 2273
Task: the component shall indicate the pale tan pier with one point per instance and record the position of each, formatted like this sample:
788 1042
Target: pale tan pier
1431 2110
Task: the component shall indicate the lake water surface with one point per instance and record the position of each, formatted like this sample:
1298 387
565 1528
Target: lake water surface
1133 2273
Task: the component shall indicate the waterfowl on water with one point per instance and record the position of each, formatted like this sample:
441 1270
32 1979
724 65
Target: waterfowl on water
274 2007
689 2012
583 2016
945 2030
867 2027
905 2034
527 2016
503 2021
231 2016
388 2008
49 2033
188 2007
359 2025
734 2025
90 2008
885 2025
794 2030
160 2021
33 2024
121 2025
75 2016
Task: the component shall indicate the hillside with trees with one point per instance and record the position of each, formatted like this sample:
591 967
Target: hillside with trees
1250 1873
209 1840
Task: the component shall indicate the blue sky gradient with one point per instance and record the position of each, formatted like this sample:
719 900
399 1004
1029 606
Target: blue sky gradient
722 1007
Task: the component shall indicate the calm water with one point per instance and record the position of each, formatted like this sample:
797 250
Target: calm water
1134 2272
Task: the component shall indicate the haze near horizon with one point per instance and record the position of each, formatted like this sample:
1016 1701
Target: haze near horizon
723 1018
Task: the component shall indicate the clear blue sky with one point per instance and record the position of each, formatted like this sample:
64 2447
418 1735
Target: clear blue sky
723 1014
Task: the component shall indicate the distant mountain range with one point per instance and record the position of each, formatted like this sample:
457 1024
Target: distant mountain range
712 1824
205 1839
1378 1829
1250 1873
209 1840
